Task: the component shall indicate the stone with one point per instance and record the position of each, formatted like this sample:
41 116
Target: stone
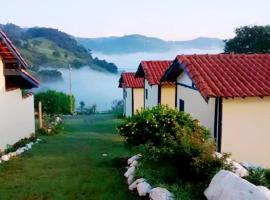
5 157
136 157
265 190
19 151
134 163
130 179
29 146
130 171
143 188
249 166
227 185
239 170
12 154
160 194
133 186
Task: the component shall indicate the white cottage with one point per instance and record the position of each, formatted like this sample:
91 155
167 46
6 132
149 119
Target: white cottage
156 93
229 94
132 93
16 106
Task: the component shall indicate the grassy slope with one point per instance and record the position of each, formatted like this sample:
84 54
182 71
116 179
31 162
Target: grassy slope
47 47
70 165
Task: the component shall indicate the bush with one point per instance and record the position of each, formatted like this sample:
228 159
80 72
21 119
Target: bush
259 177
54 102
20 143
50 125
174 137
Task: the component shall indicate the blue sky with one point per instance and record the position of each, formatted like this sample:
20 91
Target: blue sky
167 19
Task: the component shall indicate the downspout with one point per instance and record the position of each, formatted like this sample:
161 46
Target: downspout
219 142
132 101
159 94
176 94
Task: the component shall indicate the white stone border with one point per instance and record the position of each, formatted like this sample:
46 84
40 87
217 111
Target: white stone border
19 151
142 186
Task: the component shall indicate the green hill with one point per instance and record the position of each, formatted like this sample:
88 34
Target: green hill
47 47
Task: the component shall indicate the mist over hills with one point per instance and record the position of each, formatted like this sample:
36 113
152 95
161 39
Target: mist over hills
138 43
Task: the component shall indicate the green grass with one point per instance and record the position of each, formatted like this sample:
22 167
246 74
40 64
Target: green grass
70 165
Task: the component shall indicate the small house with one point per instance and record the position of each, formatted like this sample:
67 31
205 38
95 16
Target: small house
16 105
156 93
229 94
132 93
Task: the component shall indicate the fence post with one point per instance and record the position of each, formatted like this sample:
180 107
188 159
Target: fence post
40 114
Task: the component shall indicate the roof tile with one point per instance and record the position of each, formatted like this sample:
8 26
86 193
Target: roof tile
128 80
229 75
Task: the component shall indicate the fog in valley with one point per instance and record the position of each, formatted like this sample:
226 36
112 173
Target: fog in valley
101 88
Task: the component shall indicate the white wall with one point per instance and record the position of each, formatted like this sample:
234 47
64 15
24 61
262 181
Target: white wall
195 103
16 114
246 129
128 102
152 99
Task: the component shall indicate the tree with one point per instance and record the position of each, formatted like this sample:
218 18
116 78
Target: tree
249 39
82 104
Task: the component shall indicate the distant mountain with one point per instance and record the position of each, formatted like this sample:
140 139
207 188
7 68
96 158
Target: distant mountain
140 43
44 47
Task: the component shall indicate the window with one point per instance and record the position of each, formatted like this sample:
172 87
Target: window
181 105
146 93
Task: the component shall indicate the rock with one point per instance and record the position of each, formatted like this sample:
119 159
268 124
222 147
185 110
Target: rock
133 186
143 188
5 157
218 155
29 146
265 190
130 179
130 171
248 165
38 140
136 157
12 154
19 151
134 163
239 170
160 194
228 186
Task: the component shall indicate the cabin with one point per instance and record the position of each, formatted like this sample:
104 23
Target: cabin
16 105
133 93
229 94
156 93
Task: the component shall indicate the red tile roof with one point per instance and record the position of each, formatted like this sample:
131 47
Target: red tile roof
153 70
128 80
9 52
227 75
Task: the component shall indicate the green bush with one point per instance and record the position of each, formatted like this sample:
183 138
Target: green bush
174 137
20 143
54 102
259 176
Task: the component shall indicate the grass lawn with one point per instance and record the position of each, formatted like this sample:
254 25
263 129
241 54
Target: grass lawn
70 165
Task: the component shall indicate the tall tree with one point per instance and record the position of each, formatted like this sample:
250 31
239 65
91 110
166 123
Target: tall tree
249 39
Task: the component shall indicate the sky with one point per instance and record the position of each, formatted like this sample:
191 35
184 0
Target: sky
166 19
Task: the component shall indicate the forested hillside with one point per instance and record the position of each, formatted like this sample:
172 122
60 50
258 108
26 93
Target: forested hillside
44 47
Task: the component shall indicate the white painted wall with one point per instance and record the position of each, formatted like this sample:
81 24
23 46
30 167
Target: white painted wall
152 99
128 102
16 114
195 103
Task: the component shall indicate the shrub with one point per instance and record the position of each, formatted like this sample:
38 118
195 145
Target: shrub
259 176
54 102
20 143
174 137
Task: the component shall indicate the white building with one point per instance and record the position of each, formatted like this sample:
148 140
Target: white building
156 93
16 106
229 94
132 93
